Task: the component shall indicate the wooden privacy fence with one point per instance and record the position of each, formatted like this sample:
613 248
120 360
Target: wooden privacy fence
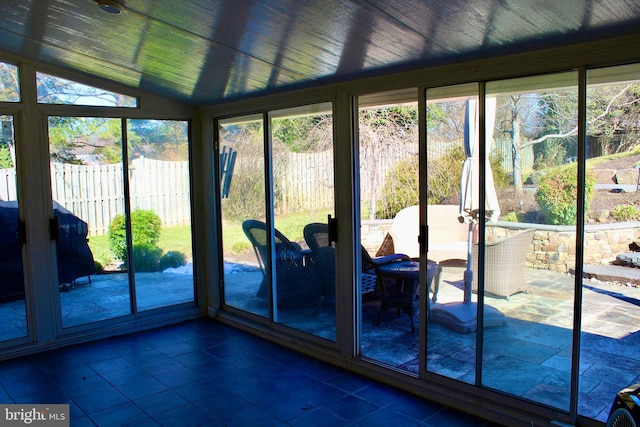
95 193
308 181
8 184
163 187
503 146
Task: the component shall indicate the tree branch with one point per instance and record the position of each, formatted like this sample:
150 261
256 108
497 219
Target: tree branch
574 131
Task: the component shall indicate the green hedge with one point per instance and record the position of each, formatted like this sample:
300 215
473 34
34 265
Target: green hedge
145 227
557 195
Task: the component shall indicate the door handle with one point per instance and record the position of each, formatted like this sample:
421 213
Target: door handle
332 229
22 232
54 228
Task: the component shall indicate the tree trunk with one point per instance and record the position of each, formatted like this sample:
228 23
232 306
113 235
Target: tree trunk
516 151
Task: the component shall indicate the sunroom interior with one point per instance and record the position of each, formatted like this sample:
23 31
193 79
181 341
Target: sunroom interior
441 197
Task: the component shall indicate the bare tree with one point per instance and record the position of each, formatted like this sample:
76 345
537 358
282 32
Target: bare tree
520 112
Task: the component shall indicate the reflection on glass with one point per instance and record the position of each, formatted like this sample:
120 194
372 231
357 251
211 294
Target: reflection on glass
242 165
610 304
302 158
159 199
56 90
530 259
88 200
388 130
12 294
9 83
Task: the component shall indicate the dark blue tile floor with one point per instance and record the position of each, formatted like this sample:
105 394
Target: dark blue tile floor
204 373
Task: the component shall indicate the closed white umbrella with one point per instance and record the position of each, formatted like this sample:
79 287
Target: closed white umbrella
470 181
461 316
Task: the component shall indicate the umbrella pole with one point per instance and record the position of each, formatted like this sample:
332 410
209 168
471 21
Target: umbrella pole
462 316
468 273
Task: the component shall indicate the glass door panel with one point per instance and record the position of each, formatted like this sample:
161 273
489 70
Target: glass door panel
451 331
159 199
610 297
88 197
530 260
389 197
303 200
13 320
246 262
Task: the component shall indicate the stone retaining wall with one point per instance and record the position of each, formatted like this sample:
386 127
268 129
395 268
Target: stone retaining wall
552 247
373 233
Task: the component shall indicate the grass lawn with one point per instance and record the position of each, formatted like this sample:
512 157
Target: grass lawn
291 225
171 239
100 249
179 238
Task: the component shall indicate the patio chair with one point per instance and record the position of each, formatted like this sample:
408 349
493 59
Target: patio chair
297 287
317 237
322 258
372 282
504 265
447 237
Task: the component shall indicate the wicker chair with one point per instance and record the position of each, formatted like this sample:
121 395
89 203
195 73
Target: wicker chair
317 237
504 265
298 286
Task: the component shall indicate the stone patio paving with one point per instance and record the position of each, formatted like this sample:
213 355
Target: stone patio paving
530 356
103 297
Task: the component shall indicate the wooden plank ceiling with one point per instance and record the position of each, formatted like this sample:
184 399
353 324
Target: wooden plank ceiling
206 51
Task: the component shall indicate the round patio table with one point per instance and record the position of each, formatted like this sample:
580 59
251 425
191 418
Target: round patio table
400 284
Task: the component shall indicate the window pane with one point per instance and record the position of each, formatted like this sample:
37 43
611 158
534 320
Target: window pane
12 294
56 90
611 294
451 131
242 165
388 151
9 83
530 253
160 212
302 159
88 195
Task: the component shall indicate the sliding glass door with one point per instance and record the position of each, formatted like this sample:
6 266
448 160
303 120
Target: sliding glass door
13 316
529 261
87 185
277 195
301 141
123 240
610 293
160 211
389 203
527 208
451 130
246 267
502 227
